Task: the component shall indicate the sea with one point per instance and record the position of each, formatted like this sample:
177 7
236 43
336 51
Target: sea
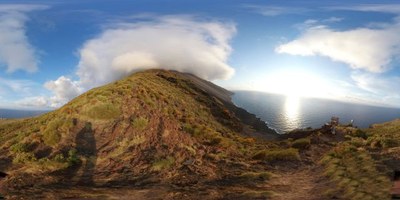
12 114
285 114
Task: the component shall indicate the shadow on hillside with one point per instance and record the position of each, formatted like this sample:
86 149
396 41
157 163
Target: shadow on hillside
86 147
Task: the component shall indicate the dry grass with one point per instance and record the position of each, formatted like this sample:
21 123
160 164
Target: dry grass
290 154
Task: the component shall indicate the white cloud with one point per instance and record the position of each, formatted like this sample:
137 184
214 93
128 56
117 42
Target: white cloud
180 43
15 50
16 85
38 102
385 8
271 11
380 88
333 19
361 48
64 89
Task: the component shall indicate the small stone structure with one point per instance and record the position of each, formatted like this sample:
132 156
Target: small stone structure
334 121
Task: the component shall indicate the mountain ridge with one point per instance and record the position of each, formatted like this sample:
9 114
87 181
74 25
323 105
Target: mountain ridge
154 126
163 135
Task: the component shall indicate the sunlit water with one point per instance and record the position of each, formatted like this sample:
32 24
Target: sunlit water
287 113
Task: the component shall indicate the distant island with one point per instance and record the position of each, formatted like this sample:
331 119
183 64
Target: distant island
163 134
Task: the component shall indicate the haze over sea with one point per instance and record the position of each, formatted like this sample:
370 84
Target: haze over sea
287 113
8 113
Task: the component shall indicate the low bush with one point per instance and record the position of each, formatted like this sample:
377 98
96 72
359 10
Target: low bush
103 111
289 154
254 176
163 163
302 143
24 157
72 157
19 148
140 123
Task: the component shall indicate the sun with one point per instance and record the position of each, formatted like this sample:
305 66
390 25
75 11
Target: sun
295 83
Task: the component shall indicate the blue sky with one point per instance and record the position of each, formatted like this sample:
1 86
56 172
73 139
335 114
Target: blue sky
52 51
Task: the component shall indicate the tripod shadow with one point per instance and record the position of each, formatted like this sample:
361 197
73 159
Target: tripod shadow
86 147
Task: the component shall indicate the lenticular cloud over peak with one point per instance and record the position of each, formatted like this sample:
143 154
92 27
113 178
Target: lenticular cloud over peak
174 43
180 43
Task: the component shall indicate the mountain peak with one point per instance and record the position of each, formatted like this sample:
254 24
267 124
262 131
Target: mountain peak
153 126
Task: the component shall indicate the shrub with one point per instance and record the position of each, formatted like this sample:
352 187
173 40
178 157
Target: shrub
289 154
59 158
19 148
24 158
253 176
361 134
51 134
390 142
104 111
72 157
302 143
163 163
140 123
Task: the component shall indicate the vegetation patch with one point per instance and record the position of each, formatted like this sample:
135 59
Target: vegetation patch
140 123
51 134
302 143
255 176
104 111
290 154
355 173
163 164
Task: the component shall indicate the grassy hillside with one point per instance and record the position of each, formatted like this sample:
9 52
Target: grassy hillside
167 135
152 127
361 166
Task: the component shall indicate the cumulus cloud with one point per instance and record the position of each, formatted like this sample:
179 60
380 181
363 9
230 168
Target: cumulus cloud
15 50
361 48
180 43
64 89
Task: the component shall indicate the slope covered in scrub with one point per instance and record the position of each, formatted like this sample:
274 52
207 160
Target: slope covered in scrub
155 126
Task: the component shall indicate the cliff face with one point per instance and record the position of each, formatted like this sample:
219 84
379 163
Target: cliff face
152 127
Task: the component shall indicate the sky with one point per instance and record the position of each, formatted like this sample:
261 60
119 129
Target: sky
52 51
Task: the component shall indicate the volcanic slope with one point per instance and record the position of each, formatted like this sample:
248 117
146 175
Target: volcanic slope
152 128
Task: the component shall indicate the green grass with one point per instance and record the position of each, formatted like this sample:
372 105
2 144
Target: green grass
290 154
140 123
163 164
355 174
302 143
255 176
24 157
51 134
104 111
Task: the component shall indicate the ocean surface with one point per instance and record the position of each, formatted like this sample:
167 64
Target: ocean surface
288 113
6 113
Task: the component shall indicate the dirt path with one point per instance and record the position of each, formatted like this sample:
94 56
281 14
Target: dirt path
298 184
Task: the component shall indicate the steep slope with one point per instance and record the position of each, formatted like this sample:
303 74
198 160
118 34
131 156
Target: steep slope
154 127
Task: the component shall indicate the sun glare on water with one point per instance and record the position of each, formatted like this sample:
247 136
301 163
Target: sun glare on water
294 85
